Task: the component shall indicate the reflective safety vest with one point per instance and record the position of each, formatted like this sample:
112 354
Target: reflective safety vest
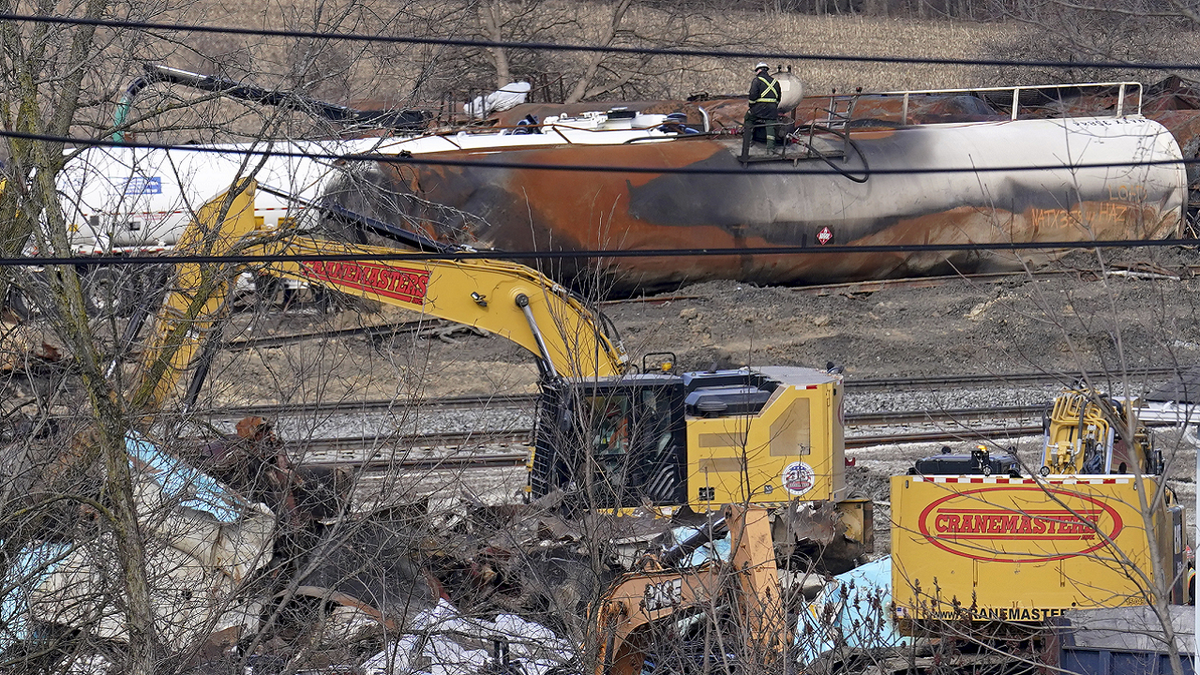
771 93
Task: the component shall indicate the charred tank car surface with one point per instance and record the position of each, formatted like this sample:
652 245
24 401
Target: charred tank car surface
1025 180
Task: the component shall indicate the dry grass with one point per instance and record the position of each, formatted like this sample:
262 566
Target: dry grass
742 31
347 71
861 36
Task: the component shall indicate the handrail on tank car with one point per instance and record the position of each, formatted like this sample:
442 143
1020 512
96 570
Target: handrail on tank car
1124 90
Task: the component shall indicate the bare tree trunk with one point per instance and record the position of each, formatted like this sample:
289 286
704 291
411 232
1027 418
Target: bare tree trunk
42 161
490 15
596 58
107 439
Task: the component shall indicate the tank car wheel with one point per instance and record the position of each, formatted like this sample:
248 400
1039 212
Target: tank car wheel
29 296
105 292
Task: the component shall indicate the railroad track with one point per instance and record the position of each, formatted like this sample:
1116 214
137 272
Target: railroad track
368 454
440 327
478 449
377 406
962 381
529 400
492 460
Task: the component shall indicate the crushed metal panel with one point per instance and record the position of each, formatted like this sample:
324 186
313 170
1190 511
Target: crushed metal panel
188 599
370 565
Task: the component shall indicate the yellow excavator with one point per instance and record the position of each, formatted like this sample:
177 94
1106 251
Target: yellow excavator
607 437
1096 527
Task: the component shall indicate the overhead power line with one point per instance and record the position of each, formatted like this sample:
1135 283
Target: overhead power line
758 168
595 254
547 46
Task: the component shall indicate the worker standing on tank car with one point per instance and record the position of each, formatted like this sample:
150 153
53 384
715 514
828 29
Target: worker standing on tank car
764 108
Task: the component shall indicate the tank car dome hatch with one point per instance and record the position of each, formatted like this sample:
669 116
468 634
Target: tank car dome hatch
791 90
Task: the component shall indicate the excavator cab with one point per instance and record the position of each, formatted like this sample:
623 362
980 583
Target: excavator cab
616 442
702 439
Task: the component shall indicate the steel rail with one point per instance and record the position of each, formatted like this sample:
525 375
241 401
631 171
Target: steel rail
400 406
453 438
1009 378
962 434
873 285
959 415
529 400
370 332
412 463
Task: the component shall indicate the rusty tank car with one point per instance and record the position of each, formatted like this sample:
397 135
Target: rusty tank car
843 181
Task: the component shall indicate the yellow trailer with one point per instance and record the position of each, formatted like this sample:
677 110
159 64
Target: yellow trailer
1024 549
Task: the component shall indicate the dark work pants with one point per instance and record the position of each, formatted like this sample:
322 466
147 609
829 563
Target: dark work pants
753 122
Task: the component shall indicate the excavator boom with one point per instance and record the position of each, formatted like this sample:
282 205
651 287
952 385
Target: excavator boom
197 300
508 299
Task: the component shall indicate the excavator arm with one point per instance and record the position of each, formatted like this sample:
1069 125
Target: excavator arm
505 298
197 299
508 299
748 584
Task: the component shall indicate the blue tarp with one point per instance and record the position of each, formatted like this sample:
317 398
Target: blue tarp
713 550
182 484
32 566
854 611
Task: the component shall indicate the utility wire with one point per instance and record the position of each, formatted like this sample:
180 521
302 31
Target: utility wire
546 46
782 167
471 254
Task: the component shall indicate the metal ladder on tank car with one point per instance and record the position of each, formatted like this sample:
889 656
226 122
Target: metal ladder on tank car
837 123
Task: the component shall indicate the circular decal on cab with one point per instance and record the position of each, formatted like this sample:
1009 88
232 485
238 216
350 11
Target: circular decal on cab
798 478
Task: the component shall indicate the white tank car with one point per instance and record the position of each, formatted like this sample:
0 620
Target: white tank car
138 200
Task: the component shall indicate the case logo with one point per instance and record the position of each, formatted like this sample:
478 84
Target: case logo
1019 524
404 284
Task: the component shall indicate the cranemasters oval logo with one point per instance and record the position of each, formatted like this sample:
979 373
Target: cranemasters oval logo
798 478
1019 524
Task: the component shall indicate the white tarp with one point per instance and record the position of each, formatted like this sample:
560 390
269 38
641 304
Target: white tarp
434 644
510 95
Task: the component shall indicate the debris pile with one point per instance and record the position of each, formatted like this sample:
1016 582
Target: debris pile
257 561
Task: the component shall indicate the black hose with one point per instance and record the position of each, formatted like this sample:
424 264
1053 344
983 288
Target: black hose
407 120
845 136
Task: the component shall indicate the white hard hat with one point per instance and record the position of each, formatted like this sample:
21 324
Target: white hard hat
761 65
